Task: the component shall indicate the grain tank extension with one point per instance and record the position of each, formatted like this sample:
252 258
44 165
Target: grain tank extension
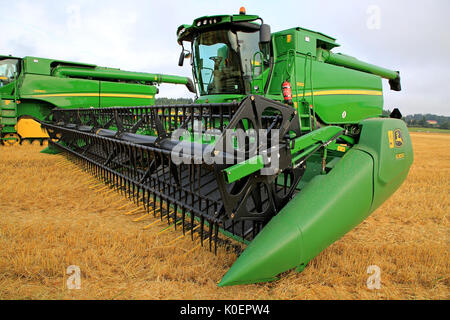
285 148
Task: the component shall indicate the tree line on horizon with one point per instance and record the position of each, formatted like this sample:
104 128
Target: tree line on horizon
169 101
421 120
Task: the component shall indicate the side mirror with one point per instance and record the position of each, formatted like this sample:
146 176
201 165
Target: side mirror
181 60
182 57
264 33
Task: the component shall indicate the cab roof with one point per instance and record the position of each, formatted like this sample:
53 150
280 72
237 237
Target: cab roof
186 32
8 57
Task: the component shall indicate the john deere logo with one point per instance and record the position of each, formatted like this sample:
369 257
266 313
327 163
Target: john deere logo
398 138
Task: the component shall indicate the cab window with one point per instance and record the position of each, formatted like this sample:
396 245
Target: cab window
8 69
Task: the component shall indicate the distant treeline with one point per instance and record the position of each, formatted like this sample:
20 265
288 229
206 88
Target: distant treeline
164 101
421 120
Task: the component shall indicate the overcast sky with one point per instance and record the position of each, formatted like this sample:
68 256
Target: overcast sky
410 36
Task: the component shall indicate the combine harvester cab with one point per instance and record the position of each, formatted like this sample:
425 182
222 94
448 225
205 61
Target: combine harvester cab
285 149
31 87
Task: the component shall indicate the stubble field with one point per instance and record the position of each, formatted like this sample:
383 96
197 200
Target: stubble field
52 216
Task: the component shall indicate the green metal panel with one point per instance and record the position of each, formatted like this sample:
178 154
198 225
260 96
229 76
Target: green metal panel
36 109
389 143
281 42
340 109
278 76
37 65
61 92
34 86
305 42
125 94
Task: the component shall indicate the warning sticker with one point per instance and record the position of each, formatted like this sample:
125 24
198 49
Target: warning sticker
391 139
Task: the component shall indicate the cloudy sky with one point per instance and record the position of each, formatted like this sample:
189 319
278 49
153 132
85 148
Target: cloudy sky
410 36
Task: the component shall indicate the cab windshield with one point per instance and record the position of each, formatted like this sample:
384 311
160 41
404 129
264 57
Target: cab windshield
8 69
223 61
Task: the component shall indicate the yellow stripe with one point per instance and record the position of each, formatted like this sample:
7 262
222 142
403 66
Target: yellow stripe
123 95
117 95
391 139
65 95
343 92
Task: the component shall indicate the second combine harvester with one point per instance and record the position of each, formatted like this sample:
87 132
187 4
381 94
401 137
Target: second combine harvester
31 87
285 149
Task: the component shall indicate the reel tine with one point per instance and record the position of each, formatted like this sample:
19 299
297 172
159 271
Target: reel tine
202 223
216 235
154 202
254 229
183 217
175 215
192 226
168 212
210 234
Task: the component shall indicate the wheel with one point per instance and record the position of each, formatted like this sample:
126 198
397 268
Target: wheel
25 142
11 139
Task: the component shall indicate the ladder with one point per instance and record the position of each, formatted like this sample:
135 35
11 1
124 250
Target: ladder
8 115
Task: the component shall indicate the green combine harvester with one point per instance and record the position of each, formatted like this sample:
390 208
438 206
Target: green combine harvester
31 87
285 148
